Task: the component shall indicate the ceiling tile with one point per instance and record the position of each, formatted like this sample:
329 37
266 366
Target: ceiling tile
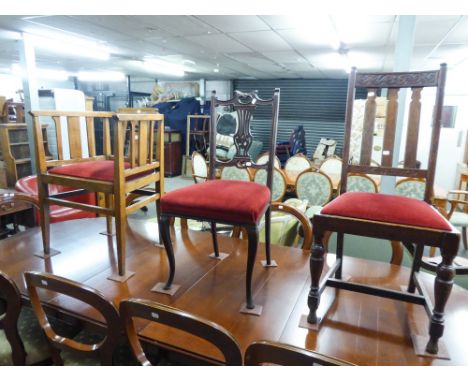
231 24
219 43
261 41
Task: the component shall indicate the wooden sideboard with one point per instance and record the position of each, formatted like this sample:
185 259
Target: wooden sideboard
15 157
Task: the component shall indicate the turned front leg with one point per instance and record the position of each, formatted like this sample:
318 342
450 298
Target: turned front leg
442 288
317 261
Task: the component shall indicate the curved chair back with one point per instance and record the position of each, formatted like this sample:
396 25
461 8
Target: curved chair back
361 183
199 168
10 308
411 188
88 295
235 173
175 318
263 159
315 187
305 224
279 183
295 165
331 166
261 352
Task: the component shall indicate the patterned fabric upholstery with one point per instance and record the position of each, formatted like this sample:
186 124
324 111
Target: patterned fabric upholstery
411 188
279 183
262 159
315 187
295 165
358 183
235 173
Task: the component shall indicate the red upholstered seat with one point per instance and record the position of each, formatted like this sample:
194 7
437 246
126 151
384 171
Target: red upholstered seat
99 170
386 208
225 200
28 185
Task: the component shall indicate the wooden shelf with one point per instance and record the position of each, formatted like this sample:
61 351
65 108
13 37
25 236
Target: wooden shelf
14 152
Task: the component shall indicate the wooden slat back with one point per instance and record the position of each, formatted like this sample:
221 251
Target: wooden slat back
145 139
74 137
368 128
392 82
413 128
390 127
78 147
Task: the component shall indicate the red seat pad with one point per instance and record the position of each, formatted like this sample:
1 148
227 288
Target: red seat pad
97 170
386 208
233 201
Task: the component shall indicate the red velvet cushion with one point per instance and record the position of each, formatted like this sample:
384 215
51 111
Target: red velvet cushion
227 200
98 170
28 185
386 208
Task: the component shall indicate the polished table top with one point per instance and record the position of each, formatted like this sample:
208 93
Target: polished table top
362 329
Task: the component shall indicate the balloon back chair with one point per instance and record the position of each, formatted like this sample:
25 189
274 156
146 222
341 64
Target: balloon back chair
177 320
393 217
231 202
130 162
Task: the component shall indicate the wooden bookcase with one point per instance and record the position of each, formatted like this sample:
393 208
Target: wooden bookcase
15 158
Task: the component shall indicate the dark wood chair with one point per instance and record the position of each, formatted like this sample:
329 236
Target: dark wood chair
120 173
230 202
268 352
104 348
414 222
178 319
10 308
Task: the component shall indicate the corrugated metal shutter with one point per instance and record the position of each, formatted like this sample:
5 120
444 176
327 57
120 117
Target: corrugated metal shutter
318 105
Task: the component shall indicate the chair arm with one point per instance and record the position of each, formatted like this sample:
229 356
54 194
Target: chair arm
34 200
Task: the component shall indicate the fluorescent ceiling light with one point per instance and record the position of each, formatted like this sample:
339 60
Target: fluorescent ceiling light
72 46
101 76
47 74
163 67
318 30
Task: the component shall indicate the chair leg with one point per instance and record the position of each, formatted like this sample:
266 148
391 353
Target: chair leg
108 201
442 288
397 252
56 357
317 261
120 228
252 234
18 354
158 217
465 245
44 212
215 239
166 238
268 236
415 267
339 253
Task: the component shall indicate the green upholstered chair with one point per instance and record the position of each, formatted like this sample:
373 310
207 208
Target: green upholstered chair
411 188
316 188
235 173
361 183
263 158
279 183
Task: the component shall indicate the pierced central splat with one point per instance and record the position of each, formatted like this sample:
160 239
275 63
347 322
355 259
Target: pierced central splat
243 137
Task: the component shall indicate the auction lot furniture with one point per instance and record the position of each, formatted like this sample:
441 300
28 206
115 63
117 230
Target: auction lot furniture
414 222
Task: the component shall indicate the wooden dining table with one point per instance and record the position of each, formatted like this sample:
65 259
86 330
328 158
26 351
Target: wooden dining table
361 329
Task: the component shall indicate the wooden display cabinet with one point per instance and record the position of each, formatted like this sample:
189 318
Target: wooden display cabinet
172 153
15 157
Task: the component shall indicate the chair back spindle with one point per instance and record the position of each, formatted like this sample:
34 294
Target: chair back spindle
391 83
